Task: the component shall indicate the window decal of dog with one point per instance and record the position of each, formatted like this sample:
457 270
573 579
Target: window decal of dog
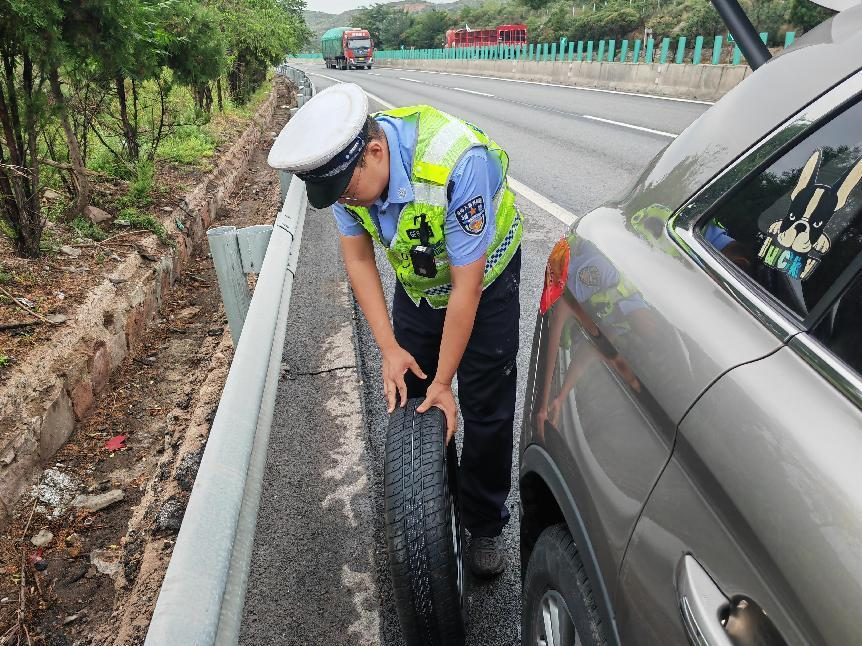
793 238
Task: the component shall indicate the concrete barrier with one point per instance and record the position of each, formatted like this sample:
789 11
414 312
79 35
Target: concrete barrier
686 81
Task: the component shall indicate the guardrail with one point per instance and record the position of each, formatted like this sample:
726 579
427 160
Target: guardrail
201 599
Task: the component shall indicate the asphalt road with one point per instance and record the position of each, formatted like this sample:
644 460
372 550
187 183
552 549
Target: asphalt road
574 147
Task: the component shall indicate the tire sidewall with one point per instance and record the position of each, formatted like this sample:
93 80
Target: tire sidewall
551 568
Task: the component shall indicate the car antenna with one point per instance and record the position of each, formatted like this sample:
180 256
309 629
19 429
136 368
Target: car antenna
744 33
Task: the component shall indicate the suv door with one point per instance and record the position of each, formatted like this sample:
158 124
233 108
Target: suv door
753 532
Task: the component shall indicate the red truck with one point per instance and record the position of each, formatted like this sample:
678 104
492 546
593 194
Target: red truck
502 35
347 48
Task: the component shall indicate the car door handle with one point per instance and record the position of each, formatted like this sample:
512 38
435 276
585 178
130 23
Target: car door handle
702 605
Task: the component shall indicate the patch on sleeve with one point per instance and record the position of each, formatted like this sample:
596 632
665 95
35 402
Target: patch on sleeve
471 216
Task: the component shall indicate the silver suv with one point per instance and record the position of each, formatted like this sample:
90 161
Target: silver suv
691 456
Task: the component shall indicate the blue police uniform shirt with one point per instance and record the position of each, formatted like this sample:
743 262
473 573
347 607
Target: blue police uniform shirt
475 180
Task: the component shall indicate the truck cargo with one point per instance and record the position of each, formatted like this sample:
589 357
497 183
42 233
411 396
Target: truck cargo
508 35
347 48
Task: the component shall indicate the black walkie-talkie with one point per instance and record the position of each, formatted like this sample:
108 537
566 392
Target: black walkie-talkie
422 256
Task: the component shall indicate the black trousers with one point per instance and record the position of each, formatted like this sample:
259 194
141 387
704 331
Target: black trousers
486 390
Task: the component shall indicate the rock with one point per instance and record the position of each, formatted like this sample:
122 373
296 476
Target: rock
188 468
106 562
51 194
42 538
70 619
97 215
76 573
57 489
100 501
70 251
56 319
72 538
170 516
117 280
167 209
188 312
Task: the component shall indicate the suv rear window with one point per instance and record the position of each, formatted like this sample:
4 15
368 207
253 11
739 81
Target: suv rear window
795 226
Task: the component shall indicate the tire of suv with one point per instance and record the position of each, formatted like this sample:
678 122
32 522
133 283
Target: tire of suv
558 607
423 527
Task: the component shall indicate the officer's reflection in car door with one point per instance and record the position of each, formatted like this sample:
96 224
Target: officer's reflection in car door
595 307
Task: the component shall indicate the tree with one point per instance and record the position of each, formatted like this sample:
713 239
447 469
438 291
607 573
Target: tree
258 33
807 15
428 30
196 53
23 108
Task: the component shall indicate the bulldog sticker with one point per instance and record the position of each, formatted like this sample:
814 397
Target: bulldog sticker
795 244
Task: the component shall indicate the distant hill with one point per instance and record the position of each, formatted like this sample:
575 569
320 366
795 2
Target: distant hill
320 21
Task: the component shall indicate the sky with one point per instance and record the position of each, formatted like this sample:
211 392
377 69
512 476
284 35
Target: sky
337 6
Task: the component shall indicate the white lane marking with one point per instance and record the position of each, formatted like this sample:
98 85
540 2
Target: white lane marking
633 127
374 74
403 78
570 87
622 124
563 215
460 89
331 78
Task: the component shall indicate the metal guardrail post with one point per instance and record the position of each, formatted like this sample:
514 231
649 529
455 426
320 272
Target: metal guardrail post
231 278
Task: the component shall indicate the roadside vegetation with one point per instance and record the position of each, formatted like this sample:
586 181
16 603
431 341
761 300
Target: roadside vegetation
96 96
550 20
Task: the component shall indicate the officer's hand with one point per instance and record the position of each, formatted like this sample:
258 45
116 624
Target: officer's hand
396 362
440 395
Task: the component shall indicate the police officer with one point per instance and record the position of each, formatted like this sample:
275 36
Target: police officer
432 190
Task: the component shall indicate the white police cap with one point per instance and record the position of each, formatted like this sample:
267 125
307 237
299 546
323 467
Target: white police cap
323 142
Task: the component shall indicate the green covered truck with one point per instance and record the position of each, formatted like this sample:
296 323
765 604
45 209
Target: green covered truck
347 48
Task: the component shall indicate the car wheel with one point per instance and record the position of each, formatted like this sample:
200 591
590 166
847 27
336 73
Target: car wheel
558 606
423 527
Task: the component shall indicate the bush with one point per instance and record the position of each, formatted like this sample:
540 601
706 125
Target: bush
138 220
188 145
87 229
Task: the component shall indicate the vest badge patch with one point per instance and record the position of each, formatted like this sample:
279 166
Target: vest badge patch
471 216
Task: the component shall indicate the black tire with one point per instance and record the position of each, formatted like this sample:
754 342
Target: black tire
556 577
423 528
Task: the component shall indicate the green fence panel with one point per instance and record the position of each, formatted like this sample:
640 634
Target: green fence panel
624 50
680 50
545 52
737 55
717 44
612 50
571 51
580 50
553 51
764 36
698 50
650 45
589 51
665 48
530 57
601 54
636 53
789 37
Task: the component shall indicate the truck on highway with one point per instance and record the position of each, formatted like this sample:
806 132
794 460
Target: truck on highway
509 35
347 48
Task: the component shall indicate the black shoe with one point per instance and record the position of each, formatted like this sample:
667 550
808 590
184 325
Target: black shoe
487 556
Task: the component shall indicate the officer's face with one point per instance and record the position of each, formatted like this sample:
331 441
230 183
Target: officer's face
369 179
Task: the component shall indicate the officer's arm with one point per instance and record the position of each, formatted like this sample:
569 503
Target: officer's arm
460 315
470 229
358 253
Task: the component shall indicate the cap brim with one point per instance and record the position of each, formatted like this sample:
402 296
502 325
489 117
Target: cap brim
323 194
